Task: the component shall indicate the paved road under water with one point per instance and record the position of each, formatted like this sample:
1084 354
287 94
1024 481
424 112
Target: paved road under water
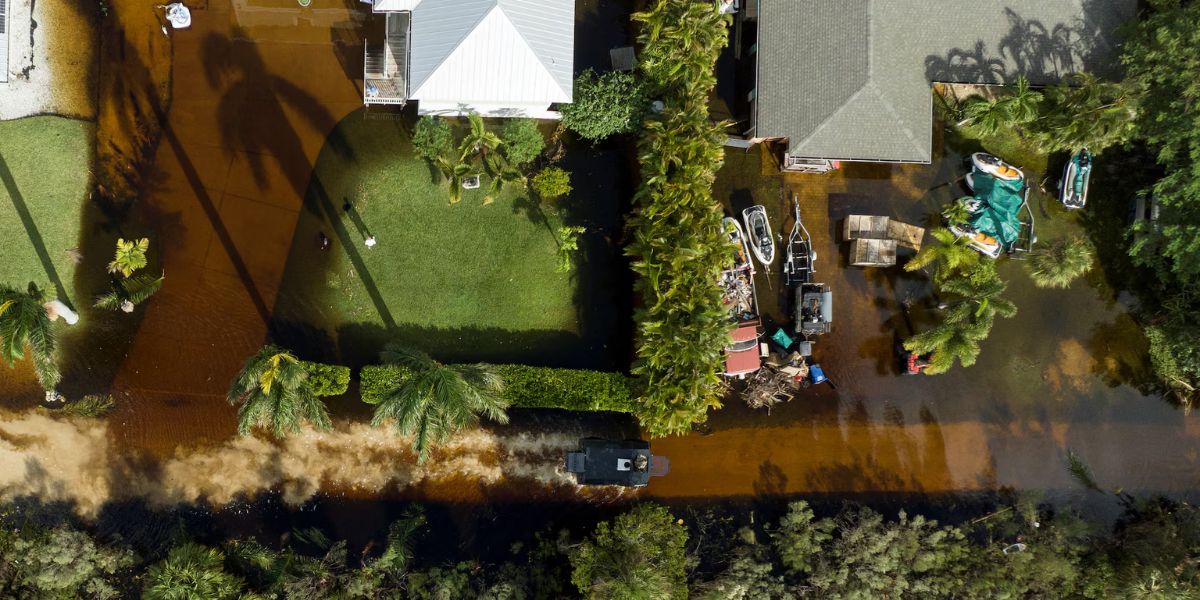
257 88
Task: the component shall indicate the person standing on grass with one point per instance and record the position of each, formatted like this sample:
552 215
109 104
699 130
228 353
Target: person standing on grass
370 241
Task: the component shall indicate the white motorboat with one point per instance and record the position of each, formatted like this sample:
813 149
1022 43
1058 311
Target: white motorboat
992 165
761 242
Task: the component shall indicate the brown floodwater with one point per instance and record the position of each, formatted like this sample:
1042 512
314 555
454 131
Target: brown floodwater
256 90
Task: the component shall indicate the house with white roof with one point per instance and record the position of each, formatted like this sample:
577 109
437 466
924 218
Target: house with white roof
499 58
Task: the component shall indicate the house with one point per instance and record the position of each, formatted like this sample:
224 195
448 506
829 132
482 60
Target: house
500 58
850 80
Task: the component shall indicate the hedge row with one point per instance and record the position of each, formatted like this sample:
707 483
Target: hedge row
327 380
528 387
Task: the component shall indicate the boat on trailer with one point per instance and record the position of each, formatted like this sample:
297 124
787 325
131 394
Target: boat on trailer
799 258
1073 188
762 243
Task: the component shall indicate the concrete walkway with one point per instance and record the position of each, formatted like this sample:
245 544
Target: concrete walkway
255 93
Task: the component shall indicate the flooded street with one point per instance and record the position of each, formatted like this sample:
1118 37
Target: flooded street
258 86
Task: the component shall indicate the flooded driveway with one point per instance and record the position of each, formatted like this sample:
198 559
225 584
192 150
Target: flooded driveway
1060 375
257 87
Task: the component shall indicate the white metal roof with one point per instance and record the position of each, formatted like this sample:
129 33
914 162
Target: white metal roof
492 51
3 41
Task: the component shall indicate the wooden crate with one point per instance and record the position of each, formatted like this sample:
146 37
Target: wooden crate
872 253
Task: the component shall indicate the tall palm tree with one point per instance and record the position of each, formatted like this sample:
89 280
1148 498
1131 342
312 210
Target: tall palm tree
24 322
455 170
980 293
949 255
274 392
1022 104
948 343
986 116
478 141
1057 264
1085 112
192 571
437 400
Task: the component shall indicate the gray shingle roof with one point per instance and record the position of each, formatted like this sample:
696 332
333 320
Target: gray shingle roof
850 79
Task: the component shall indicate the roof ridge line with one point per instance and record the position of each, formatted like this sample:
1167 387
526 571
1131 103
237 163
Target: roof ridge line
833 115
525 40
887 104
457 45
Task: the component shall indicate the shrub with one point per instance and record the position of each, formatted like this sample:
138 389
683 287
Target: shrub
551 183
678 245
571 389
431 137
327 380
1058 263
612 103
92 405
528 387
522 141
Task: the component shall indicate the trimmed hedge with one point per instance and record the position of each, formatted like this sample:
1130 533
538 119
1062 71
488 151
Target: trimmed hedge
327 380
528 387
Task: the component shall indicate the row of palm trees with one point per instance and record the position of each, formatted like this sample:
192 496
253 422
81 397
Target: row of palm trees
434 402
1082 111
678 246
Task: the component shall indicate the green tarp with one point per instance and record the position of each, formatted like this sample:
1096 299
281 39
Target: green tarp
1083 167
1001 201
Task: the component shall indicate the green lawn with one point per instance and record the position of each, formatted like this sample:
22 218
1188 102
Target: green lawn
44 175
467 274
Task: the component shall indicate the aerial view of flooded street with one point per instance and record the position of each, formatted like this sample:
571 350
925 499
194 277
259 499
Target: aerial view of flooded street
599 298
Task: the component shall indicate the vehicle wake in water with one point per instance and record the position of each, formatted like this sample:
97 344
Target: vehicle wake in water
73 461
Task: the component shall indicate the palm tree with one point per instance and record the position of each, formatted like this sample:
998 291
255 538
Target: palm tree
958 213
130 256
24 322
950 254
478 140
979 291
456 171
1085 112
437 400
274 392
948 343
986 116
192 571
128 293
1057 264
1022 104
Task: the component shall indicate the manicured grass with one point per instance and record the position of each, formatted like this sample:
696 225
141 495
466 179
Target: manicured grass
436 267
44 176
